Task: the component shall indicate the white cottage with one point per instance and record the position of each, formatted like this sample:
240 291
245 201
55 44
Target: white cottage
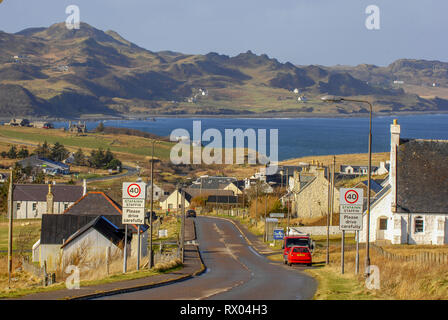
413 207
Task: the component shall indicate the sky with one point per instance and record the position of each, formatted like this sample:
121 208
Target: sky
324 32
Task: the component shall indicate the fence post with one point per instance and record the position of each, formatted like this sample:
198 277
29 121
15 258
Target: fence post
107 259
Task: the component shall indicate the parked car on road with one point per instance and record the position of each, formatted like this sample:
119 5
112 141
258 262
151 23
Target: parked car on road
300 255
296 241
191 213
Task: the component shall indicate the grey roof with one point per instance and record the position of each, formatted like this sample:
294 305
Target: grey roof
422 176
57 228
222 199
374 186
104 227
212 182
38 192
94 204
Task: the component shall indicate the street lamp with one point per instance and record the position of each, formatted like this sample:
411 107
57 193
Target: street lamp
340 99
151 252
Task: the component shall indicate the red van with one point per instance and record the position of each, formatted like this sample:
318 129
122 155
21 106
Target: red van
295 241
299 255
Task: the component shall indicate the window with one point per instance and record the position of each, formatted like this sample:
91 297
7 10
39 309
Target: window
383 223
18 205
34 206
418 225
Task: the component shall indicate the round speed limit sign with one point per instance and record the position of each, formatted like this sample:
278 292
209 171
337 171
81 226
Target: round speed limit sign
351 196
134 190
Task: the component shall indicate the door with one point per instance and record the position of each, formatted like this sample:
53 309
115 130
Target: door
382 227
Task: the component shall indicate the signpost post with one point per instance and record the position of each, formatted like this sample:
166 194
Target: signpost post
351 207
134 198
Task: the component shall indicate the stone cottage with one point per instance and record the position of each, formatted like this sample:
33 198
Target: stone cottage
310 193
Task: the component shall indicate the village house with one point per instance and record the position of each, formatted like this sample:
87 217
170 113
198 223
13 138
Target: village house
46 165
174 200
19 123
77 127
413 207
70 230
358 170
158 192
31 201
310 192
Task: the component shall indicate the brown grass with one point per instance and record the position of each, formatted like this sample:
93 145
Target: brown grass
399 279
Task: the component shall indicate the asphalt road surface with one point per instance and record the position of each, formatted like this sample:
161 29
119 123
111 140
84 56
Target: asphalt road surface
235 271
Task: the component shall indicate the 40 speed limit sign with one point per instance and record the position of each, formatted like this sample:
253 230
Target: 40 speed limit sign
351 208
134 196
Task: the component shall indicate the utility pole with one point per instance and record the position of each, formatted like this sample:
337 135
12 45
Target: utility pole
327 260
151 252
265 217
182 231
332 189
11 217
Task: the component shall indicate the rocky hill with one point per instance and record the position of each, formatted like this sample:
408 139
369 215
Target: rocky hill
58 72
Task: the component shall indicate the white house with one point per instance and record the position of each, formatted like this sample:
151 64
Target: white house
30 201
158 192
413 207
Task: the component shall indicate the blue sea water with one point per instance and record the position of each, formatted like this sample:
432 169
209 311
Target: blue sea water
300 137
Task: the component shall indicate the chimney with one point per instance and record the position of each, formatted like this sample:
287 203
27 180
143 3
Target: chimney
394 144
84 187
50 200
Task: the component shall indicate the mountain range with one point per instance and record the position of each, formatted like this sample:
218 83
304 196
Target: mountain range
60 73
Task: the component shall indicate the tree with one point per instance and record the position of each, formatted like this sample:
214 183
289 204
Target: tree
23 153
39 178
58 152
79 158
12 153
100 127
43 151
114 164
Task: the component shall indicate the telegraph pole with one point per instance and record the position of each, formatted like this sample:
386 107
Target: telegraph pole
151 252
327 260
182 241
11 217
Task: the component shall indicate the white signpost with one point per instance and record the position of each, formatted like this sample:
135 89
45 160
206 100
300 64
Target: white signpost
134 197
350 214
351 202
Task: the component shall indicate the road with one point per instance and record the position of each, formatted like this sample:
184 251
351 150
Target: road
235 271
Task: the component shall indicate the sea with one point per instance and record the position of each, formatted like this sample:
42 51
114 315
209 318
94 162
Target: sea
299 137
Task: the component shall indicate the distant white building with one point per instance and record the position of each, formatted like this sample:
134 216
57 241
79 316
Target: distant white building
158 192
30 201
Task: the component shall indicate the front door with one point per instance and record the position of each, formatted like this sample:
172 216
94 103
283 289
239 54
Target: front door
382 227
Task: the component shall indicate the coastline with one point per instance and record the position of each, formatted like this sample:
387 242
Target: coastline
279 115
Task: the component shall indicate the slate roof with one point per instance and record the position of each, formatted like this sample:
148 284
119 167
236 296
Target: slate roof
36 161
422 176
104 227
212 182
94 204
59 227
374 186
222 199
98 204
38 192
194 192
